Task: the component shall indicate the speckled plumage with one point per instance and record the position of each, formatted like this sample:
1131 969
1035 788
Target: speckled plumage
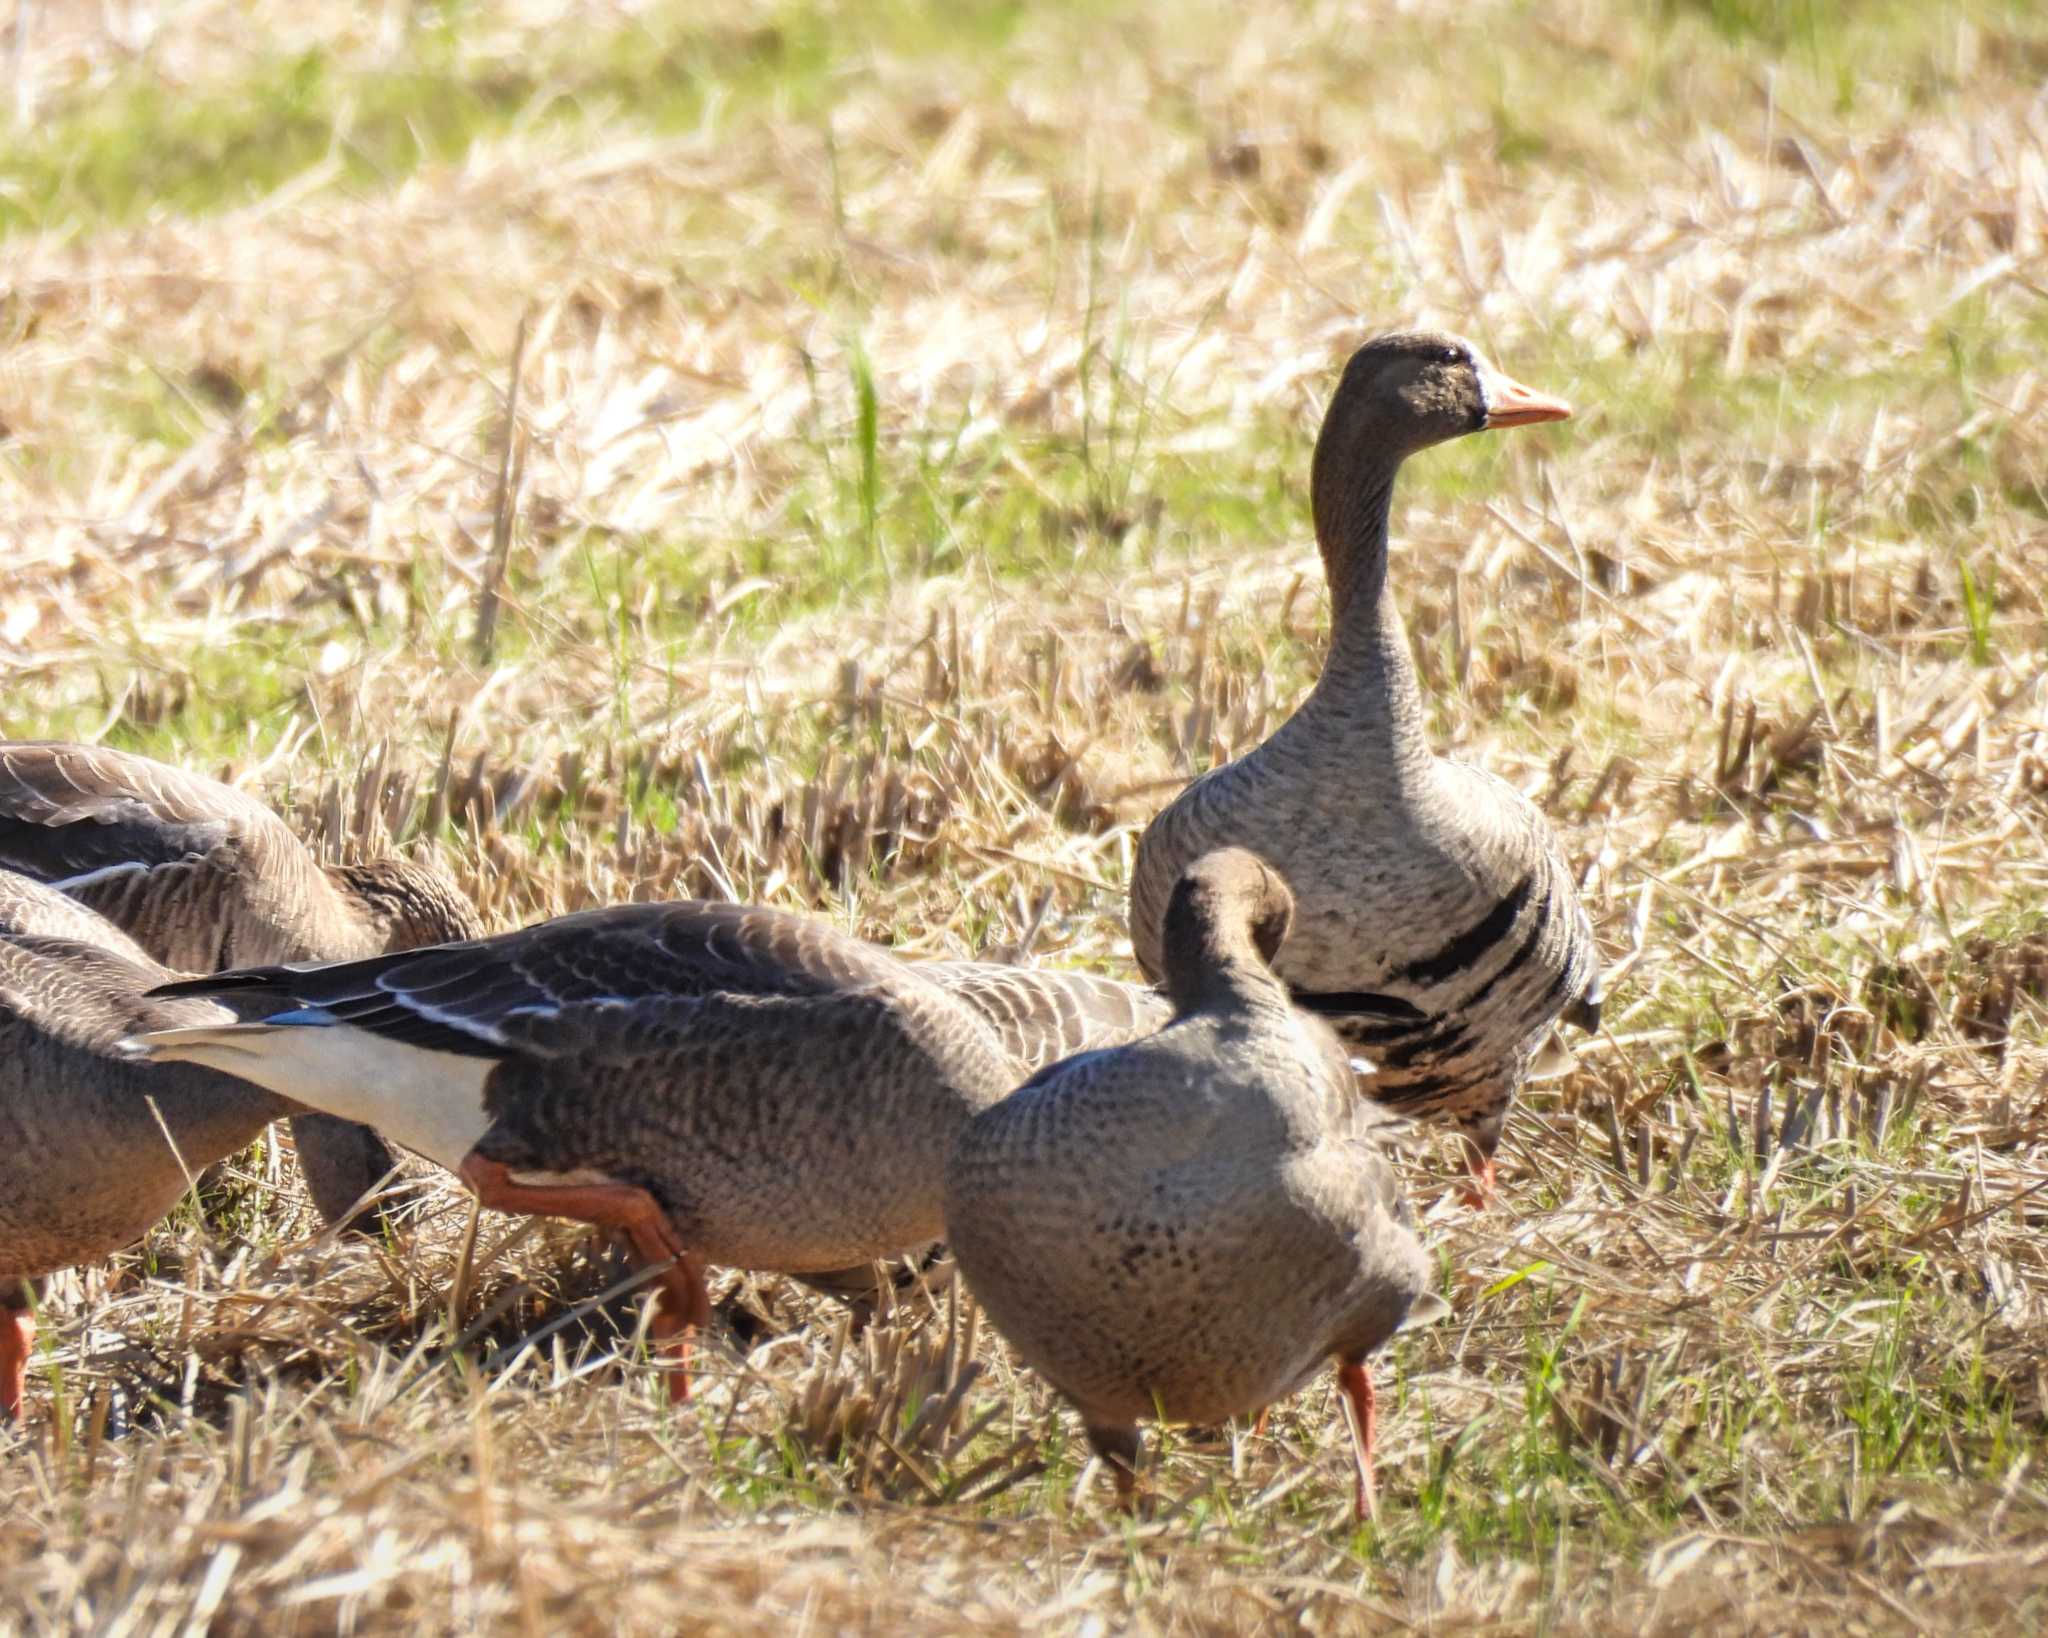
204 877
785 1095
1437 925
1196 1221
84 1165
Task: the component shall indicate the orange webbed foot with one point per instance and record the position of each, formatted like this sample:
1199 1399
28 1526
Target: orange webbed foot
1481 1185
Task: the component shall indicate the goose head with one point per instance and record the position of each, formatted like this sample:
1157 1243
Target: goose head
408 903
1227 906
1404 392
1399 394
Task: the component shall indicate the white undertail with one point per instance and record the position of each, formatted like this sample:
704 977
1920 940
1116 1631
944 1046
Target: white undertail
432 1102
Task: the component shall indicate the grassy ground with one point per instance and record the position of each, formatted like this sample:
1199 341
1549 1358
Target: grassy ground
904 492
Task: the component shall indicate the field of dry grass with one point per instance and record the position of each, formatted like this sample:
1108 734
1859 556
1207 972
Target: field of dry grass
855 458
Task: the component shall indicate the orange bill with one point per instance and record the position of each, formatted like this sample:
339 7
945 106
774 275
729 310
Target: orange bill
1510 404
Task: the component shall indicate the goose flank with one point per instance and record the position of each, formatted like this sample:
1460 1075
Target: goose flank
1437 925
1039 1016
84 1165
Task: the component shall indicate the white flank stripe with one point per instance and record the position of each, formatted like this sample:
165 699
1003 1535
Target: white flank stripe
105 873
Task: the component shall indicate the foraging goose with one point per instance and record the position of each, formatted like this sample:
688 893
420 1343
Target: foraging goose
1437 926
1193 1223
724 1084
203 877
85 1167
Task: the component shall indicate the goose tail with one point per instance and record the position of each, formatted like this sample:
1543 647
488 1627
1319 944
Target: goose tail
427 1100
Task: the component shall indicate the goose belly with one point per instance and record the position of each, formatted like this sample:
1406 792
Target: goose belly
86 1167
1449 1021
754 1168
1131 1308
50 1220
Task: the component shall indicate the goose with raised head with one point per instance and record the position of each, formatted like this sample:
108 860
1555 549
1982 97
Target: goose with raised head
203 876
1437 924
93 1146
1191 1225
723 1084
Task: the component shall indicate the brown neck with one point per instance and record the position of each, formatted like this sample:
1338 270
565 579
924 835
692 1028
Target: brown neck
1368 679
1212 964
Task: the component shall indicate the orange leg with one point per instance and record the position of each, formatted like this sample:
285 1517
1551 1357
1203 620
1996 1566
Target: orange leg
681 1305
1355 1381
1480 1188
1118 1447
17 1344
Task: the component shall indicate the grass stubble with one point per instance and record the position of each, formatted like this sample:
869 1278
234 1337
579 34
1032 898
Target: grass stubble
903 492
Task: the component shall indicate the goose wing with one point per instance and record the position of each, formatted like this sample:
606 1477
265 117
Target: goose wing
563 986
73 812
1042 1016
30 909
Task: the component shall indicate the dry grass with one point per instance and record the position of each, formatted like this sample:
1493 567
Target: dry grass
904 492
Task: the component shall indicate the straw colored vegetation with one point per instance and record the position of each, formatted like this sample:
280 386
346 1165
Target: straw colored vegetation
856 460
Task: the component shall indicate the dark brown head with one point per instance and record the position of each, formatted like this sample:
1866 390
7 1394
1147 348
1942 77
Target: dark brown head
1229 912
1400 393
1406 391
411 902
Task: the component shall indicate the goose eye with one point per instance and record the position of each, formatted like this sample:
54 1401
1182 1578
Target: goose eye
1450 355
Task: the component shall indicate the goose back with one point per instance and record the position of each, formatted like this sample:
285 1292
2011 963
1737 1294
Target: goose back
202 875
1042 1015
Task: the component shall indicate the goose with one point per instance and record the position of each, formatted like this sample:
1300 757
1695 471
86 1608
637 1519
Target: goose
1193 1223
722 1083
94 1148
1437 924
203 876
